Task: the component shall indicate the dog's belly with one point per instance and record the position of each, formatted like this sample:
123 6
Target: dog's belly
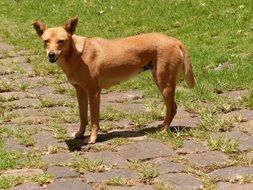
121 74
115 78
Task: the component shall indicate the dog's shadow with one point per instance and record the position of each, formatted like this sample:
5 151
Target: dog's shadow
79 144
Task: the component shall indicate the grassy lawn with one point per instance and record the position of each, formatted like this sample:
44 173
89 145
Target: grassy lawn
217 34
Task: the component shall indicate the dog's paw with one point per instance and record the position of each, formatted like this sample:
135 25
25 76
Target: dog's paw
77 135
164 130
160 126
92 140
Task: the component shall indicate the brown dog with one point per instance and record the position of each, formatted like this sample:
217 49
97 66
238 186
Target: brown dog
95 63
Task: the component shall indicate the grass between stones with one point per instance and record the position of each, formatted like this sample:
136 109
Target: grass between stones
224 144
17 159
146 171
161 186
118 181
83 165
7 182
60 132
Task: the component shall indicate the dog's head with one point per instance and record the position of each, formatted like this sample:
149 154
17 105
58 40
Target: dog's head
56 40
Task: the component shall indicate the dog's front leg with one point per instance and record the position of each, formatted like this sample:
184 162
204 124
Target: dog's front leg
94 98
83 111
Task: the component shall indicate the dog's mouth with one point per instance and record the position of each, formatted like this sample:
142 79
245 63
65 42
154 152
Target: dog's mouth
53 57
52 60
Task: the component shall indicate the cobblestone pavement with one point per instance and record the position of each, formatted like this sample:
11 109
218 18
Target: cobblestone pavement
43 110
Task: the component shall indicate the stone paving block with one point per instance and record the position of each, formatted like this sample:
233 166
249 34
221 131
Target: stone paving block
15 59
57 110
247 126
26 112
27 186
22 172
58 97
4 47
245 141
62 172
231 173
6 70
59 158
98 177
108 157
42 90
31 81
224 66
29 126
207 158
31 120
145 150
190 147
250 155
27 67
190 122
244 113
26 102
181 181
121 124
12 145
7 95
9 78
181 113
182 121
236 95
145 187
121 96
125 107
162 165
68 184
232 186
46 139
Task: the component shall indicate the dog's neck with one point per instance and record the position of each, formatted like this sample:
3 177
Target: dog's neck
74 52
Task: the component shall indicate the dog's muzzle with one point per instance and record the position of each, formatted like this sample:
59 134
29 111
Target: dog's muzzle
52 57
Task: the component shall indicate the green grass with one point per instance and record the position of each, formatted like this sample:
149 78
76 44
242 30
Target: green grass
161 186
16 159
118 181
215 32
5 87
83 165
7 182
224 144
145 169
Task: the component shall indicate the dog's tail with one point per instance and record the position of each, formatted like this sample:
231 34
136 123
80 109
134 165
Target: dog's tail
187 67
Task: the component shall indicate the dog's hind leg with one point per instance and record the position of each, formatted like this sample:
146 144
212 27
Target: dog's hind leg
165 76
171 106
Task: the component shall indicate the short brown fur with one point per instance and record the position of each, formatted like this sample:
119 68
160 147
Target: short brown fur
92 64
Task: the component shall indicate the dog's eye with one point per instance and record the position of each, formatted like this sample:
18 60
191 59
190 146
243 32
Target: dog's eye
46 41
60 41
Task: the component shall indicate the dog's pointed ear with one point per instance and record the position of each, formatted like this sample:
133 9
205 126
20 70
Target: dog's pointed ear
70 25
39 27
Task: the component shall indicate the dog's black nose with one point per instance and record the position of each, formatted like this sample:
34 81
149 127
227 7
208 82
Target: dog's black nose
51 55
